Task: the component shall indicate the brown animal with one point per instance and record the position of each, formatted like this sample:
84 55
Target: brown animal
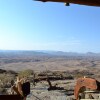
22 89
86 83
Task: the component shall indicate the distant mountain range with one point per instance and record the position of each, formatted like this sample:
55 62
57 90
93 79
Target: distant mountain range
61 53
20 53
44 53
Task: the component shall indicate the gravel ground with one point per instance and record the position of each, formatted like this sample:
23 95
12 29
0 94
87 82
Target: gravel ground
40 92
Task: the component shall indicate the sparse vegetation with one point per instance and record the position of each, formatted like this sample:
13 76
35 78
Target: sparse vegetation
26 73
5 82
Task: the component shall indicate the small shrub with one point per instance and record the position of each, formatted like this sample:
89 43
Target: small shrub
26 73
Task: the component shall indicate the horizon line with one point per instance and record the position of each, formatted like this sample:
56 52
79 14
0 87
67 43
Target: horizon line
48 51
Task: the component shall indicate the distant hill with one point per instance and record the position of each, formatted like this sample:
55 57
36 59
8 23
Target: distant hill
61 53
21 53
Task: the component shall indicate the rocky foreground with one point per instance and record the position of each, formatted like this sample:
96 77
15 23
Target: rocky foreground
40 91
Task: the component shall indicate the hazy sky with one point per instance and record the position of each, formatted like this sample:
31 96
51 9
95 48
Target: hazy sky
31 25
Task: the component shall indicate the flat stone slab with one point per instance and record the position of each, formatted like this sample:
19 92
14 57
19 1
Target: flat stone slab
58 97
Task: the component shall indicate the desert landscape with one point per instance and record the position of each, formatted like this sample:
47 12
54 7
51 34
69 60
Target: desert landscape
61 68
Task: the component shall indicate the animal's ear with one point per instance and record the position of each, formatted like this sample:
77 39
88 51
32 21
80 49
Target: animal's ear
19 86
18 79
